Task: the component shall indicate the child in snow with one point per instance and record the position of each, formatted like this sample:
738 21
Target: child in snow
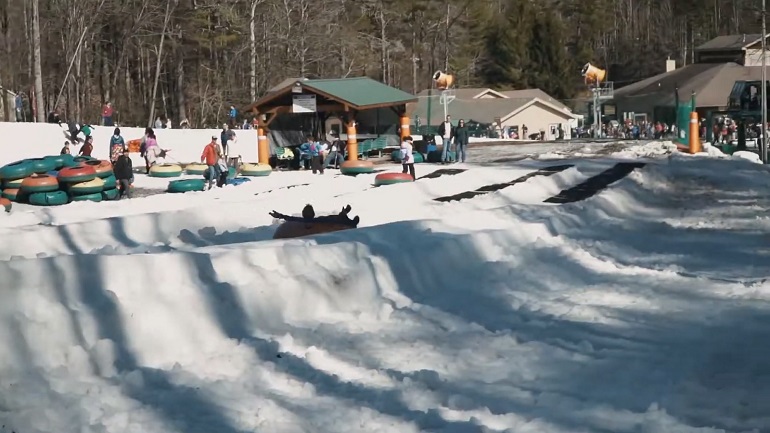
66 149
124 173
88 147
151 150
117 145
407 159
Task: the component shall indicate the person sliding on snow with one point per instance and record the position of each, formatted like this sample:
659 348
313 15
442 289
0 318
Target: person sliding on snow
124 173
308 216
117 145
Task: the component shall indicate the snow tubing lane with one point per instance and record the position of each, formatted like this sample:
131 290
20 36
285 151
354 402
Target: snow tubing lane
165 170
294 229
93 186
392 178
12 184
39 183
82 173
12 194
52 198
101 167
186 185
110 194
110 182
195 169
6 204
97 197
41 165
16 170
256 170
593 185
61 161
356 167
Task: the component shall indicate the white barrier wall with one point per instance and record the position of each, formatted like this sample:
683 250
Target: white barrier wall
34 140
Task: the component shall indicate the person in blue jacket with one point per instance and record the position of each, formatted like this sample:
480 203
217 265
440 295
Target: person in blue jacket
117 145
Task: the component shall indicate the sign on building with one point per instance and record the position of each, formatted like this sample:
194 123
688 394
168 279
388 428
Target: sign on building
303 104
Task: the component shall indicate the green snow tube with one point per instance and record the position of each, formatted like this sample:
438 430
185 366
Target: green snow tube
52 198
110 182
61 161
195 169
97 197
16 170
256 170
165 170
41 165
110 194
418 157
185 185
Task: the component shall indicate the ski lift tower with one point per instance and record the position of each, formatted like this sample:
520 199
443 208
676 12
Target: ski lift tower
601 91
444 83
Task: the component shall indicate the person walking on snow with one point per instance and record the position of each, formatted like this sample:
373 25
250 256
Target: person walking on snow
124 173
407 158
117 145
226 135
151 150
210 156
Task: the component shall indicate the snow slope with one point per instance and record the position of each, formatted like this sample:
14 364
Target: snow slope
641 309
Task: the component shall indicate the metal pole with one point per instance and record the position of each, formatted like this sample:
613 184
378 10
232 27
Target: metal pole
763 147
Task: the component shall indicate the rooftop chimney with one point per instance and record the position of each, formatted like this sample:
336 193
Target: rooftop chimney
670 64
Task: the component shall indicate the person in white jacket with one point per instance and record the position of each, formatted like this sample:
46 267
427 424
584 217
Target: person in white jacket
407 159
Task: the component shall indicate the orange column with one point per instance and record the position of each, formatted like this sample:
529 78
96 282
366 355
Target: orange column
263 146
352 142
695 146
404 127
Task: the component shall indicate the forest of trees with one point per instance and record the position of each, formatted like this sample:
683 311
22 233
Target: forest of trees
194 58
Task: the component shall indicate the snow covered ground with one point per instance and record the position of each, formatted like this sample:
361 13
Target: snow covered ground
642 309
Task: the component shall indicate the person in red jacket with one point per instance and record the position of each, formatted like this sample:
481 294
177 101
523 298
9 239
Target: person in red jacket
107 112
210 156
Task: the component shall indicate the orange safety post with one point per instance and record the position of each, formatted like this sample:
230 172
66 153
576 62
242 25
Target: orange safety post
263 146
404 127
695 146
352 142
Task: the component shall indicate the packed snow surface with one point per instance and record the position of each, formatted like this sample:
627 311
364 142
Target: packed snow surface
642 309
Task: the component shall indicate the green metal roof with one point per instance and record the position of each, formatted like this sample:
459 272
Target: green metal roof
360 92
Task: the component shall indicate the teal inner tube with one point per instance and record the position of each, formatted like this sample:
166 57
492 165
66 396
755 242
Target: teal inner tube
185 185
110 182
88 197
231 172
16 170
356 170
42 165
61 161
52 198
110 194
83 158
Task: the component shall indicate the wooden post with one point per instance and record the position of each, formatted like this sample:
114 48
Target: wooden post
352 141
404 126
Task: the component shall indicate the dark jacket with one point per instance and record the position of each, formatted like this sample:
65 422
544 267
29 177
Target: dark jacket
461 135
442 130
123 168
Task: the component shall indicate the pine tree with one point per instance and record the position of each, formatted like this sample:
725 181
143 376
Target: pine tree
506 54
550 68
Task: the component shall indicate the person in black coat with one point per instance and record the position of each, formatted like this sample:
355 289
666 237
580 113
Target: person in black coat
124 173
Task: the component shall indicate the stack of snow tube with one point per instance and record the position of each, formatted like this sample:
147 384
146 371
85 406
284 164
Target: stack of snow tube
57 180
